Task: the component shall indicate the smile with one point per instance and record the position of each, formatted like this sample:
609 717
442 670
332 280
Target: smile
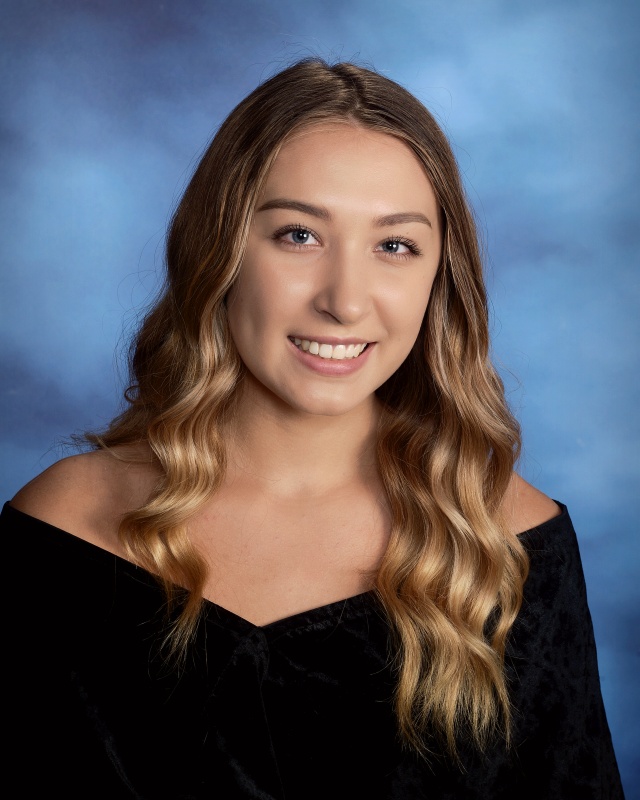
338 352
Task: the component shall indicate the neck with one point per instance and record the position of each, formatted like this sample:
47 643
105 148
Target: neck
289 452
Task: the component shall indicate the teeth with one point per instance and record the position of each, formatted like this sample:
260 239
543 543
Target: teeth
337 352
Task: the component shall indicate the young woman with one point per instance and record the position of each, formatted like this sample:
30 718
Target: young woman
300 563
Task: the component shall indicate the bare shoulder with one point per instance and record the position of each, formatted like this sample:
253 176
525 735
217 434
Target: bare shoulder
525 507
87 494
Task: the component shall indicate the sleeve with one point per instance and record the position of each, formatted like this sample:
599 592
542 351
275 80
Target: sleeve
564 742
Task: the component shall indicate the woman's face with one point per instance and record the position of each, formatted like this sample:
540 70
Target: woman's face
342 253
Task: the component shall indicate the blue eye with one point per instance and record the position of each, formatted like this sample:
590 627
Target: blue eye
392 246
300 236
296 235
400 247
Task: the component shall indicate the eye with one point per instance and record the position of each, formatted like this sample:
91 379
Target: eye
400 247
296 235
300 236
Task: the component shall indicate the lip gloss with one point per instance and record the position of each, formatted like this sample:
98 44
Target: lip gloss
332 366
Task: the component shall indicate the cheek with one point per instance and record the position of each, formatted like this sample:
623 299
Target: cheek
264 290
241 316
406 309
248 300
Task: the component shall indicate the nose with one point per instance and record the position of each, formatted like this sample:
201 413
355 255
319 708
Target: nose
344 290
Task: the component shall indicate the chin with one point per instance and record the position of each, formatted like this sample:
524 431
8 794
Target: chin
324 409
324 406
315 401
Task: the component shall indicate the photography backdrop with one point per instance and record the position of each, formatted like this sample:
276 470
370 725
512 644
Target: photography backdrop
107 105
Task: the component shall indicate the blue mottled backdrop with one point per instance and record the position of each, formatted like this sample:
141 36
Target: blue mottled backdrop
106 106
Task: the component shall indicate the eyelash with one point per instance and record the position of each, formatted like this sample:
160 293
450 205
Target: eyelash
289 229
413 248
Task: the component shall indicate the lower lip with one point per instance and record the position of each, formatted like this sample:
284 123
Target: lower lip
332 366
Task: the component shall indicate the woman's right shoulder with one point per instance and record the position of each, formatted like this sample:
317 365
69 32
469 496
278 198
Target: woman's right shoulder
87 494
68 484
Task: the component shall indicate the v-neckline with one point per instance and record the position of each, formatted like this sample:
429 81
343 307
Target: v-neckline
315 615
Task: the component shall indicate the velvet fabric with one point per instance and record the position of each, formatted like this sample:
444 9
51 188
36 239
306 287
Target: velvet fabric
295 710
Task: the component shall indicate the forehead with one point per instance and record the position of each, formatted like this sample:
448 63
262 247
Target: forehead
332 160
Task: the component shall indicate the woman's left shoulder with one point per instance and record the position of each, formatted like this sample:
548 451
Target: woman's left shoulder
524 507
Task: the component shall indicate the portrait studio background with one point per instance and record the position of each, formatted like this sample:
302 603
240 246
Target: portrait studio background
107 106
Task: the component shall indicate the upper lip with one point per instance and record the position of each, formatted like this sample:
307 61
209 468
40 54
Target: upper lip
333 340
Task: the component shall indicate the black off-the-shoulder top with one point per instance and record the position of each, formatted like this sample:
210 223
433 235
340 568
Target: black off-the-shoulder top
296 710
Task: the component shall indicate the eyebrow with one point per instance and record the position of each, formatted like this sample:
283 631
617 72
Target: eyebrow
322 213
403 216
296 205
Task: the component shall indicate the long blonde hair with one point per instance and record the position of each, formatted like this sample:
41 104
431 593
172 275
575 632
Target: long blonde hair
451 579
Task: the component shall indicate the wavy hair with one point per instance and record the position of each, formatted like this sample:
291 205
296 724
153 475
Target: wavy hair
451 579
